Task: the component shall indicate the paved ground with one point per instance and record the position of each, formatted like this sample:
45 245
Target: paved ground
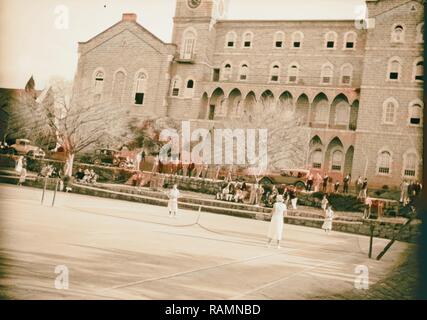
123 250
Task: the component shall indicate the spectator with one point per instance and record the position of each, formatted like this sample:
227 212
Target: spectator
359 183
368 208
329 217
346 182
325 183
363 190
404 188
336 186
325 202
80 174
293 197
310 180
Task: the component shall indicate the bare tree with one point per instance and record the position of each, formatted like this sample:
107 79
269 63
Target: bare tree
287 140
83 122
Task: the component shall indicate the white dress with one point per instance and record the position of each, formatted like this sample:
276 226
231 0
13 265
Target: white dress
275 231
173 200
18 167
327 225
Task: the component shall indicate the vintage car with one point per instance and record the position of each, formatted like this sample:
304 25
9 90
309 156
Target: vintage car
111 157
24 147
294 177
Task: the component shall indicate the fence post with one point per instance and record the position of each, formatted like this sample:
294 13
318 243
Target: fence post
44 189
371 240
54 194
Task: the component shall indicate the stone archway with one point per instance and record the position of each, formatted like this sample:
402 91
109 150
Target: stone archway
302 108
320 111
235 107
203 109
348 163
339 117
217 104
334 156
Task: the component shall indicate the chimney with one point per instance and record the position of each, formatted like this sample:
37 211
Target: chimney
129 17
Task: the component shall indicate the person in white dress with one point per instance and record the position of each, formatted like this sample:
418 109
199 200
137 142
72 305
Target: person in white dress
19 164
275 231
329 217
173 201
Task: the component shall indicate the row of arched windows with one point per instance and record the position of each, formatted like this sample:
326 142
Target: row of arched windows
394 69
293 73
297 39
391 108
119 81
398 33
385 163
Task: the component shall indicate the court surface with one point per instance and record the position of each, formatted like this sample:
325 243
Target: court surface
122 250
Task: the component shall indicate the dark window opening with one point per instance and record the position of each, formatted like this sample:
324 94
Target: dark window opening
384 170
297 44
175 92
230 43
279 44
415 121
346 79
190 84
243 77
349 45
330 44
410 173
275 78
211 112
394 75
247 44
336 168
317 165
139 98
216 73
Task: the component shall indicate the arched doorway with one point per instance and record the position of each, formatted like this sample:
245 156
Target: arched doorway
348 164
235 107
203 110
249 105
320 110
302 108
217 104
339 117
334 156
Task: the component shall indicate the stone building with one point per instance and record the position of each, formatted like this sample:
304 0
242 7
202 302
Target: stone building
356 87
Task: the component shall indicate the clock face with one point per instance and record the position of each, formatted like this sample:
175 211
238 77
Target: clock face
194 3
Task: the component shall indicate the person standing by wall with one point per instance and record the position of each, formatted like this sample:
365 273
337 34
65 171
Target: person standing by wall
346 183
329 217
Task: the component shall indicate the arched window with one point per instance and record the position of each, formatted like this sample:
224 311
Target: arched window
275 73
99 81
227 72
342 113
398 33
389 111
140 88
327 74
384 163
230 40
418 73
415 113
244 72
346 74
410 165
176 86
247 39
189 88
350 40
394 69
279 39
188 45
317 159
337 158
420 33
297 39
322 112
293 73
331 40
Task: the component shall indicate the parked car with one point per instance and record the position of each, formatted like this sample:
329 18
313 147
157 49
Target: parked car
24 147
295 177
111 157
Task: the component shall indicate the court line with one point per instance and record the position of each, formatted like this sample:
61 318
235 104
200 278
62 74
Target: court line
272 283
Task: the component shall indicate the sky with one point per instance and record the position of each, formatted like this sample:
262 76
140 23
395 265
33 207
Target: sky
35 39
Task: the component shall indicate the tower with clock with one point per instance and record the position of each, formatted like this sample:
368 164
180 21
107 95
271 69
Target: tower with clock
196 19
